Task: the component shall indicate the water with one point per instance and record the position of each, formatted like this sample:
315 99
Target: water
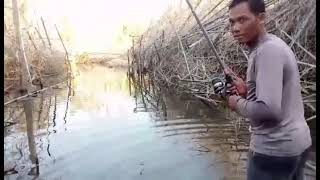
105 128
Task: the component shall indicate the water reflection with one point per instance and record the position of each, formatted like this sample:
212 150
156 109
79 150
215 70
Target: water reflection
101 127
207 128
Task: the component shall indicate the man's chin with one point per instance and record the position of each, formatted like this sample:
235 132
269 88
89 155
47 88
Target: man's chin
241 41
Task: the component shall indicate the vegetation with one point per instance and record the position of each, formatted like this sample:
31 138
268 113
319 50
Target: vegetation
31 56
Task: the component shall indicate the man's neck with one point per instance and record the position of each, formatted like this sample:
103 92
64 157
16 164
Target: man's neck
252 44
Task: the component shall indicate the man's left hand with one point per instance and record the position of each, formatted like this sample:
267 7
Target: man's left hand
232 101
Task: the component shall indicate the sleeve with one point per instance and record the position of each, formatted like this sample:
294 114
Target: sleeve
269 85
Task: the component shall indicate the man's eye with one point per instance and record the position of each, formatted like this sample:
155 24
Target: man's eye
241 20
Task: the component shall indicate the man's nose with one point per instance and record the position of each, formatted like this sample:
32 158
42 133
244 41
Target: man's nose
236 28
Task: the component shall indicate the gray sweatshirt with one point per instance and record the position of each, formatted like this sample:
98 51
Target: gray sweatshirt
274 102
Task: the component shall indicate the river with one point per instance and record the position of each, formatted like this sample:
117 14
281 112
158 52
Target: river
105 128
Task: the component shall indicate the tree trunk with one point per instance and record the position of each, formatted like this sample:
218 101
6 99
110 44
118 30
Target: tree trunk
25 86
21 52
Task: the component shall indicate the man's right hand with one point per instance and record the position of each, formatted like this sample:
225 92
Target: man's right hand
238 85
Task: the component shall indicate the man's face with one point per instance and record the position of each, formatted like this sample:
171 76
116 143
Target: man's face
244 24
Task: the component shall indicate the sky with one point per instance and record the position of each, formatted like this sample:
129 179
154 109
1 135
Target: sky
97 25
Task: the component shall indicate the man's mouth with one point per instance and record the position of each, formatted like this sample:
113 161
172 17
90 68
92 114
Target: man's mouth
238 36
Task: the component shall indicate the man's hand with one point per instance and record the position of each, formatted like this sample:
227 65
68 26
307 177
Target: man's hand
232 102
239 86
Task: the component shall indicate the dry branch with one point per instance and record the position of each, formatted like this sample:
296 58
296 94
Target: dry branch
31 94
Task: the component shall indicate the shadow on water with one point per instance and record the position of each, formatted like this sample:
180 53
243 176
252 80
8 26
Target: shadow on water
104 125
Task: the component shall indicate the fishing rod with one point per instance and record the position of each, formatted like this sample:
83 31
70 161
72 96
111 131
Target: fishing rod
229 77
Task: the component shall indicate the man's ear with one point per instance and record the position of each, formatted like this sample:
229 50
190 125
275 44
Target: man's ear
262 18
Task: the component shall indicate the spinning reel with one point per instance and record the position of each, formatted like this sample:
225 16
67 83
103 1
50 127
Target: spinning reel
221 86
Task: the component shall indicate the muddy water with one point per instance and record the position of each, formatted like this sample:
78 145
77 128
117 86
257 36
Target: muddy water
105 128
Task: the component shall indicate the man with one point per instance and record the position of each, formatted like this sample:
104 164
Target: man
271 98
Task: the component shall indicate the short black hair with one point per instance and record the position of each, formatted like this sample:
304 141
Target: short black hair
256 6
